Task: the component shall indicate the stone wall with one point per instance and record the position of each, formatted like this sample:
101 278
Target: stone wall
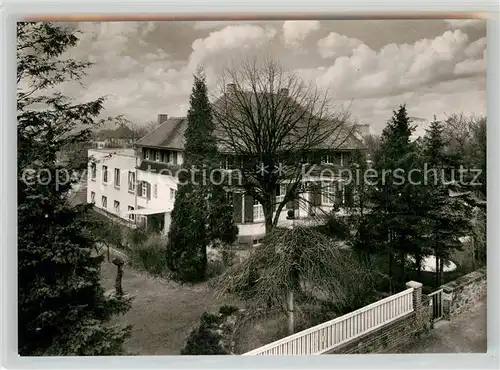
461 294
394 334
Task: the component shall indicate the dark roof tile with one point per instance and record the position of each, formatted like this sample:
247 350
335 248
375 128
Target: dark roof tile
169 134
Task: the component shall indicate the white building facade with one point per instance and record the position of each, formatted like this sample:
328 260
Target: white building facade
117 187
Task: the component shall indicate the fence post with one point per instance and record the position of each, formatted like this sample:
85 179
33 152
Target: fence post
447 299
420 317
417 294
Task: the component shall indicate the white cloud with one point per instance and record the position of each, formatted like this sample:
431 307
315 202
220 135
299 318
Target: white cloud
393 68
467 96
141 77
107 37
469 66
153 80
476 48
465 23
296 31
335 45
230 38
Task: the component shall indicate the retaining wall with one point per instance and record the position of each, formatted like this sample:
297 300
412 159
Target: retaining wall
461 294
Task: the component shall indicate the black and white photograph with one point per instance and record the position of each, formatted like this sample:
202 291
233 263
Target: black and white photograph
251 187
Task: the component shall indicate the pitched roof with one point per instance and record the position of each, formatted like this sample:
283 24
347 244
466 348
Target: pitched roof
170 134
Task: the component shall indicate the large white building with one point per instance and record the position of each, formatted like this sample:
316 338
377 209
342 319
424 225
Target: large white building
139 185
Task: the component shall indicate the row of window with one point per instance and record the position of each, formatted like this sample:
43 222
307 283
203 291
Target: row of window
144 189
164 156
339 158
116 179
329 192
171 157
116 205
328 197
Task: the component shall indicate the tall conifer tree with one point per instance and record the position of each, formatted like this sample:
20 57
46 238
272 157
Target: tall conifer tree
447 215
201 214
395 213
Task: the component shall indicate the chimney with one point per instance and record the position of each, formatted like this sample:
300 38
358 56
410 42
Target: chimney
284 91
230 88
162 118
363 129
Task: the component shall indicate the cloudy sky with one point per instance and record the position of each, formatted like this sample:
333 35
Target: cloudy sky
436 67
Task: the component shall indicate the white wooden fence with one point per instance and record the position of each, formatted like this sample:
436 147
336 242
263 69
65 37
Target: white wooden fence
331 334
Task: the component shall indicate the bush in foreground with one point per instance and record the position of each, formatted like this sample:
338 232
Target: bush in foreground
211 337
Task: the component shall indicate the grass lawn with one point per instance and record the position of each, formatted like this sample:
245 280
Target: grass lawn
162 312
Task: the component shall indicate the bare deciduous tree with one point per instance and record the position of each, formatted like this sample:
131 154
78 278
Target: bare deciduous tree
143 130
272 123
466 139
458 131
372 143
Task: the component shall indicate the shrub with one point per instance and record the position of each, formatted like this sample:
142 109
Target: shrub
208 337
335 227
220 257
150 255
215 268
107 230
137 236
228 255
228 310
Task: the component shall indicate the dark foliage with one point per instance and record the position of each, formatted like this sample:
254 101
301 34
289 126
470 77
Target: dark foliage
220 217
207 338
446 217
187 237
201 212
149 255
62 308
335 227
395 217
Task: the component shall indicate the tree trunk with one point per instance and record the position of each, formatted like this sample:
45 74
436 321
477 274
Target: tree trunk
389 272
268 217
290 313
437 270
403 266
441 271
391 258
269 225
418 261
204 262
